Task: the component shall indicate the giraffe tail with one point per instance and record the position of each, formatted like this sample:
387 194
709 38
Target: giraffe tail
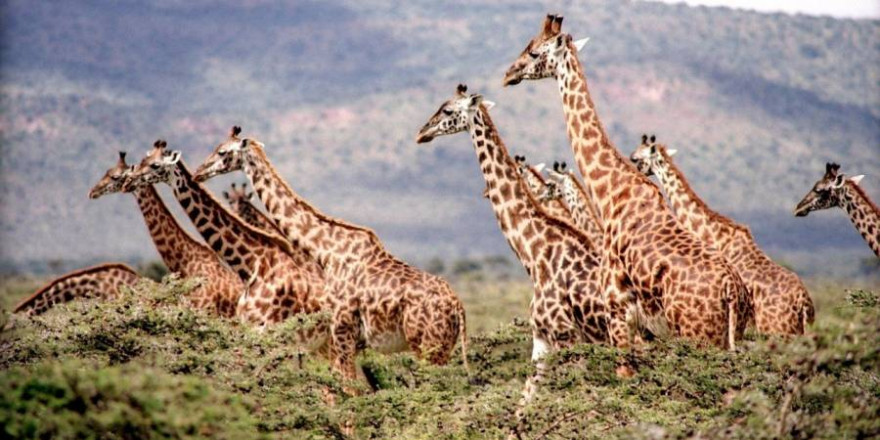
808 314
462 334
733 297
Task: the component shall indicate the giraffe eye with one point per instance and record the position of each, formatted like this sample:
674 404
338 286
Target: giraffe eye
533 54
154 166
447 112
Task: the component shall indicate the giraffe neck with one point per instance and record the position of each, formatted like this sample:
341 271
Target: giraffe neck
239 244
328 239
689 209
535 183
254 217
607 174
863 214
174 245
518 214
581 212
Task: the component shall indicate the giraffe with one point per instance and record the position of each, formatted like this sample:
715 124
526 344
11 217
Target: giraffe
280 280
219 288
655 274
834 189
240 200
374 296
103 280
779 299
538 186
568 188
566 307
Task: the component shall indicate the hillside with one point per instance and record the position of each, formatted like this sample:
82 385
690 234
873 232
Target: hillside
755 104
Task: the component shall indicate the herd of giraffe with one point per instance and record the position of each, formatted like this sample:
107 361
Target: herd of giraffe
611 258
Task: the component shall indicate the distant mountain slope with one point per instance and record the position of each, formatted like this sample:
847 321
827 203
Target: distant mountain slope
755 104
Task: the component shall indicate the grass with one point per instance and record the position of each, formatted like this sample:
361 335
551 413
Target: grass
147 365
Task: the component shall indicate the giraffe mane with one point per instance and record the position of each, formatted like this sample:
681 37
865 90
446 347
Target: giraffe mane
603 135
285 245
861 192
257 148
492 131
713 215
27 301
587 200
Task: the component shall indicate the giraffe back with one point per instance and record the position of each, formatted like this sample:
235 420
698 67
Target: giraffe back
103 281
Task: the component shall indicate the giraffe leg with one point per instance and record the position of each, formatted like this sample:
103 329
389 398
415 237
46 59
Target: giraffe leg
621 306
540 348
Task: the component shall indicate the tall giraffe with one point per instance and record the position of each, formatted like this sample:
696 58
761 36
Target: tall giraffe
281 280
568 188
537 185
834 189
241 202
653 270
779 299
104 280
567 307
219 288
374 296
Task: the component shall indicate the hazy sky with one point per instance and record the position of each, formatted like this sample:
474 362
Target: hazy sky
835 8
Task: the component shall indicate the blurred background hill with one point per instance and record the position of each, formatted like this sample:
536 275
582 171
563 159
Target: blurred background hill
755 104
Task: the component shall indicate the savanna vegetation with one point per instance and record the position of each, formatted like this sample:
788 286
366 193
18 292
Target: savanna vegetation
146 365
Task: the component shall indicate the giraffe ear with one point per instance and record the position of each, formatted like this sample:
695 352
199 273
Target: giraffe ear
839 179
488 104
672 152
579 44
857 179
540 167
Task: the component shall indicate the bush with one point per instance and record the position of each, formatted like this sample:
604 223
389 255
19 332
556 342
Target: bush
74 399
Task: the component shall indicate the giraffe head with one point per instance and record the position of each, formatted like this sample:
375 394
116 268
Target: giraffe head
113 179
544 53
227 157
826 193
157 166
237 196
650 155
557 175
452 117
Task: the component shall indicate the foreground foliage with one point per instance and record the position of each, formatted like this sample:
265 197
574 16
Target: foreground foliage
147 365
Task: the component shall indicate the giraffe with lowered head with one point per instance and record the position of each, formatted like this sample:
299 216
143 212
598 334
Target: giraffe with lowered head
655 274
779 299
101 281
219 288
834 189
373 296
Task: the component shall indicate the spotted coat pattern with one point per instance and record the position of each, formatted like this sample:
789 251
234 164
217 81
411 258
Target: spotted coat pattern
779 300
102 281
281 281
373 297
219 288
835 190
655 274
